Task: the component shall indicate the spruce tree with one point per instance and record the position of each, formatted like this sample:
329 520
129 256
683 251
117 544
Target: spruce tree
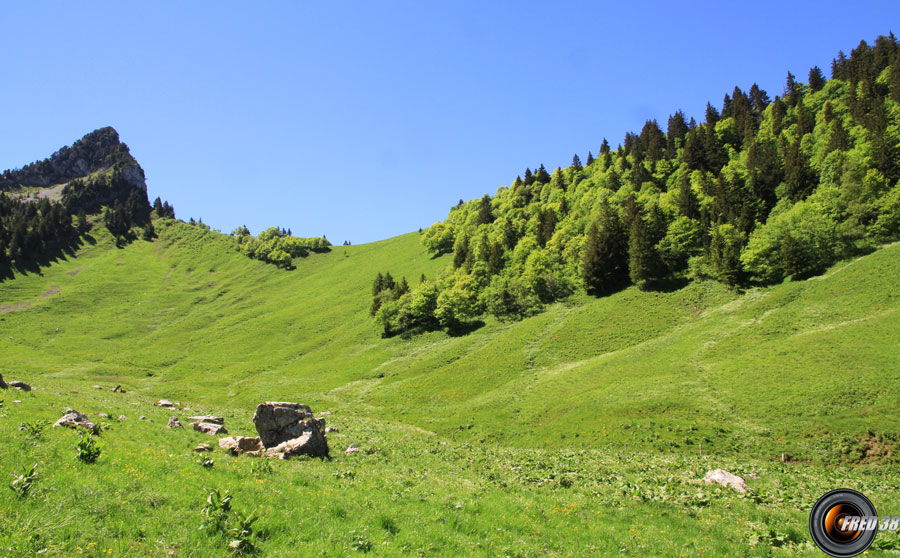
816 79
484 211
640 254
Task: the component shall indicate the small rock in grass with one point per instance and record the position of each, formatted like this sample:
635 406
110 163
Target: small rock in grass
163 403
123 417
724 478
203 447
97 387
352 449
210 428
174 423
142 417
20 385
330 429
74 419
207 418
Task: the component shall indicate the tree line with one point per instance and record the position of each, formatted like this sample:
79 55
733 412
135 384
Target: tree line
761 190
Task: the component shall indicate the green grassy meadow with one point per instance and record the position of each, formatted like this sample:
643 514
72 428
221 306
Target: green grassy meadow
576 432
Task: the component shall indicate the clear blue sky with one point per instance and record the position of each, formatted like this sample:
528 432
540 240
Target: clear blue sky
364 120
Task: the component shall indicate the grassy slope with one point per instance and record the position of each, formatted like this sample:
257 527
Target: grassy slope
640 379
791 369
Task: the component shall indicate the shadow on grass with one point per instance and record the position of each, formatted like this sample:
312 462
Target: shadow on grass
55 252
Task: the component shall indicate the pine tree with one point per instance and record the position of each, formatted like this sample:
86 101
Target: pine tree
816 79
712 115
641 268
688 205
576 162
675 132
378 284
590 158
484 211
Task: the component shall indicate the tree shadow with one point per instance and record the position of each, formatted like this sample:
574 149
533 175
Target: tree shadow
54 252
465 328
669 284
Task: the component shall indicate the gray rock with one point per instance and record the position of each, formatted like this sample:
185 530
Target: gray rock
351 450
174 423
279 422
203 447
311 443
207 418
20 385
74 419
142 417
288 429
97 387
724 478
163 403
210 428
123 417
330 429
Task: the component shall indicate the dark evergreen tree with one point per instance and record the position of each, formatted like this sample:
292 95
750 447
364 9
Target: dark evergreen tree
576 162
675 132
485 216
712 115
816 79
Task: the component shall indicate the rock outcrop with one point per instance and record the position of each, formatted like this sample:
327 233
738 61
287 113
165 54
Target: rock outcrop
724 478
289 429
74 419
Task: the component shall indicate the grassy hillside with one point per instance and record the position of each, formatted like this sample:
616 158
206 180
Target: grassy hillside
804 368
576 432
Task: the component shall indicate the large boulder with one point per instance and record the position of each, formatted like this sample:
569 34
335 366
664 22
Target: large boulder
724 478
74 419
287 429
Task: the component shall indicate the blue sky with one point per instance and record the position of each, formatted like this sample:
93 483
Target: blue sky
364 120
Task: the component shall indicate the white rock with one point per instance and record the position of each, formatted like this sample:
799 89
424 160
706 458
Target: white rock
724 478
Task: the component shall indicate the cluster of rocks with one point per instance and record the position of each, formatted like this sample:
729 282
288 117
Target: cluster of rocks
74 419
285 430
208 424
15 384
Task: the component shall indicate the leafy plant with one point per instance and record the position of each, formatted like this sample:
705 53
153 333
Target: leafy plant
215 512
242 535
22 484
87 449
33 430
261 467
